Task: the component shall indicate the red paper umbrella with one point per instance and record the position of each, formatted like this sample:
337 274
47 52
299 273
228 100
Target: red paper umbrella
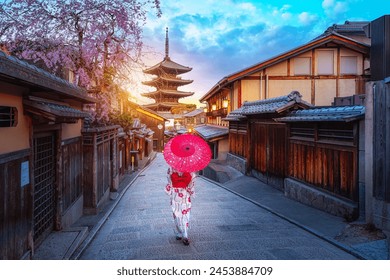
187 153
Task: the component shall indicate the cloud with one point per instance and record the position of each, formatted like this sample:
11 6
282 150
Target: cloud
220 37
306 18
334 8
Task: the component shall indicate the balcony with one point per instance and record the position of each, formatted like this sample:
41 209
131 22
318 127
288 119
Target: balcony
217 113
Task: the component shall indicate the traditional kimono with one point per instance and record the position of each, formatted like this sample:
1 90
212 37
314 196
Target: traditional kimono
180 188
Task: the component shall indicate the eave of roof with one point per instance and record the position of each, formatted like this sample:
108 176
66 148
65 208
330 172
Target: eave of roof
327 38
21 72
235 115
210 132
53 111
194 113
169 65
266 106
323 39
326 114
151 113
168 92
167 104
146 111
159 80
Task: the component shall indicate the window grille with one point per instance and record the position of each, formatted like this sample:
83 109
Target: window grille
8 116
343 135
303 132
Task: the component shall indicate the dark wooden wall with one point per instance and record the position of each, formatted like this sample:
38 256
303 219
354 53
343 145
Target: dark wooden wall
72 171
382 142
268 146
122 155
99 160
325 156
103 171
15 206
238 138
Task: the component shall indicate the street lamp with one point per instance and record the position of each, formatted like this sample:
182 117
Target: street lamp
225 103
160 126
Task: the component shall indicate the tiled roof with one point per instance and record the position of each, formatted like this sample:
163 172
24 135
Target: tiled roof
171 92
17 69
329 114
209 132
325 38
271 105
56 110
193 113
169 115
152 112
63 110
349 27
171 80
235 115
168 64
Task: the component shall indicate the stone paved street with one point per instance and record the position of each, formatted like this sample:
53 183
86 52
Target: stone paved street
223 226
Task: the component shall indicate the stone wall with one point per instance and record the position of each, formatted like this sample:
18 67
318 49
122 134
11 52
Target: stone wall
319 199
236 162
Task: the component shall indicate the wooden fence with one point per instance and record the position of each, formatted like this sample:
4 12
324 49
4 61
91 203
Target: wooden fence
100 165
325 156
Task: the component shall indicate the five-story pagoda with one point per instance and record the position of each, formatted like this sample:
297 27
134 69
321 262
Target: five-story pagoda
166 82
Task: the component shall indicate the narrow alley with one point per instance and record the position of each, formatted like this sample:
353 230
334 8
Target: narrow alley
224 226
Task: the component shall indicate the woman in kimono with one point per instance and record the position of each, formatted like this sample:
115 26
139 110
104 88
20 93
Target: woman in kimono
180 188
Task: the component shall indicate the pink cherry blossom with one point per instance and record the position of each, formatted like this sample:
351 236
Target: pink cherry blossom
96 40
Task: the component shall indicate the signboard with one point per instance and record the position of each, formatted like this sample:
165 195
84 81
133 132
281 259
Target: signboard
24 174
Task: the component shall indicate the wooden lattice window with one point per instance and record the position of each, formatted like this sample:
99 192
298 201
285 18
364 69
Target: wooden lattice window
8 116
302 131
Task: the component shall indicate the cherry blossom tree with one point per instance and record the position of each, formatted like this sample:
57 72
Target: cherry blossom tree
94 39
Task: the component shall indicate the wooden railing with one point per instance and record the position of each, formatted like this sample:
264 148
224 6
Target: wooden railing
217 113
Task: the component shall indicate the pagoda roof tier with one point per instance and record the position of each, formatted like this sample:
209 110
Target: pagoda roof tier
159 106
167 92
161 80
167 66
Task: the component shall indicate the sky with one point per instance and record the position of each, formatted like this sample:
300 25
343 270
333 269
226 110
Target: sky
220 37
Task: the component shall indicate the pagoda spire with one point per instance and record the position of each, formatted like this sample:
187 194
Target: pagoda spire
166 95
166 43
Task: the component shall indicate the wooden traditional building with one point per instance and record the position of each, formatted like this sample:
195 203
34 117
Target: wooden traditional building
335 64
332 65
152 120
311 153
257 144
194 118
41 162
166 82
